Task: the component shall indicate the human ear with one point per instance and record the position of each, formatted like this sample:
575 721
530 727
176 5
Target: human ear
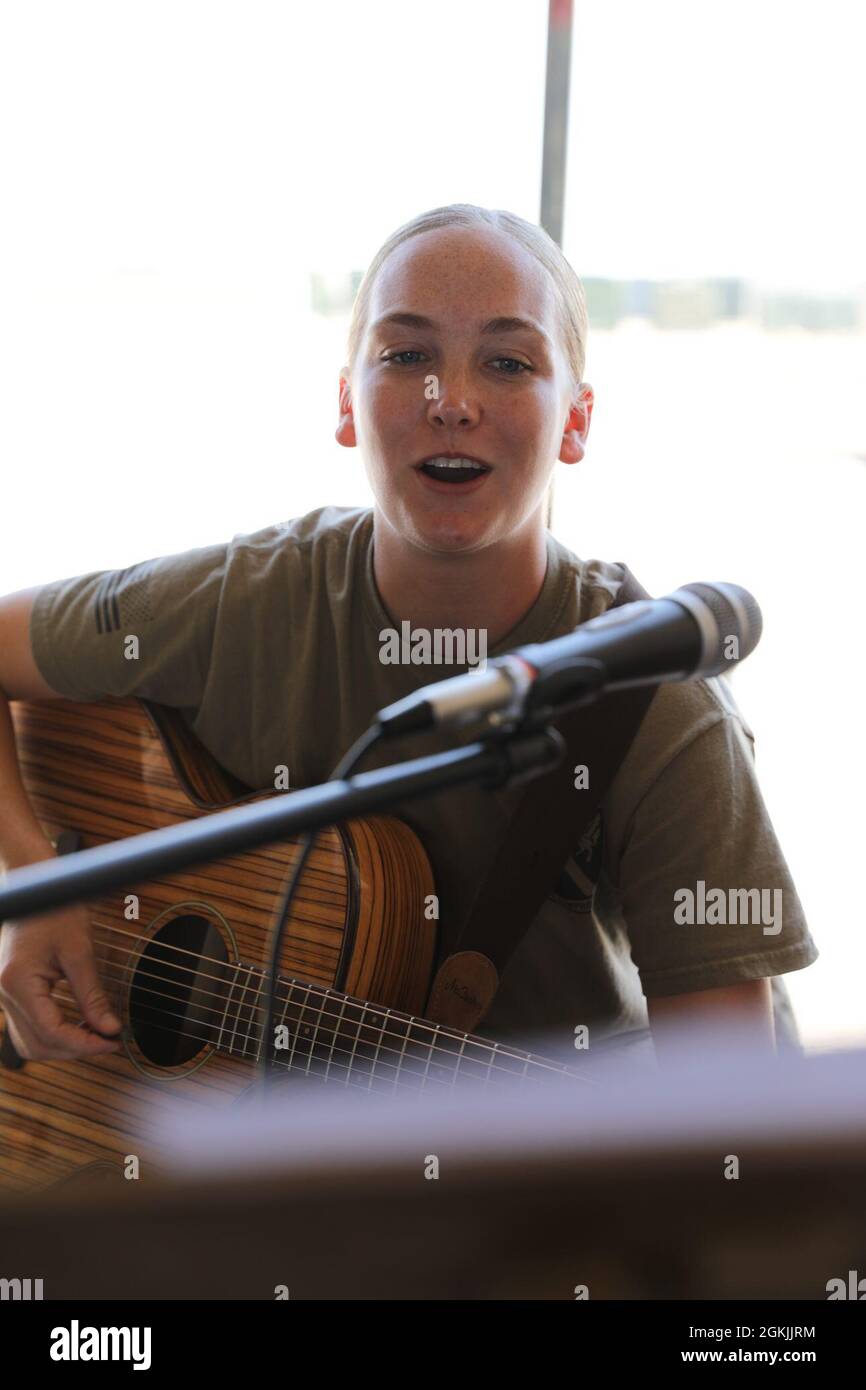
576 429
345 431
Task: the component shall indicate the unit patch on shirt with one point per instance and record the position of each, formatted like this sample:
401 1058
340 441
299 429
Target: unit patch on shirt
577 883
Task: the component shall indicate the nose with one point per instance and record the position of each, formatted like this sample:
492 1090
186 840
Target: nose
453 408
455 402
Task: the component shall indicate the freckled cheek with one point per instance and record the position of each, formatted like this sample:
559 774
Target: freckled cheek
390 410
525 423
390 428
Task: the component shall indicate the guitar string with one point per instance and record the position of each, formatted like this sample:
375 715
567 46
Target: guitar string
304 956
299 950
420 1024
334 1070
418 1079
410 1021
324 1038
455 1059
497 1051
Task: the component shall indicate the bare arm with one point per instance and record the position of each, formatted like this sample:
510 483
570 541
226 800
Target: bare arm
21 837
746 1008
39 951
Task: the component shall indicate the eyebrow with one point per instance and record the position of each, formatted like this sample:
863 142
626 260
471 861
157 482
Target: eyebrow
502 324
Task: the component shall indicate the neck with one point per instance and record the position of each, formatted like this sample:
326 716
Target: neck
489 589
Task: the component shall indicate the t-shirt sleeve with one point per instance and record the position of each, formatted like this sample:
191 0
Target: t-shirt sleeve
707 897
144 631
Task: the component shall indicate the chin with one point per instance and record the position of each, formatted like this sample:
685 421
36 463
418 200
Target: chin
453 533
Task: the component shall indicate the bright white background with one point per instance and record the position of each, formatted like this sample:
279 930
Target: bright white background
174 172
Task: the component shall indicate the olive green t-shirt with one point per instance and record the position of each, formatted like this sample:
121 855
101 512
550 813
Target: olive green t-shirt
271 645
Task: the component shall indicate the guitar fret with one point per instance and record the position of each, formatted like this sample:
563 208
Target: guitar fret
476 1060
378 1049
429 1058
254 1032
353 1053
241 1007
298 1027
357 1034
313 1040
226 1009
282 1022
402 1058
457 1063
253 1013
259 1018
334 1039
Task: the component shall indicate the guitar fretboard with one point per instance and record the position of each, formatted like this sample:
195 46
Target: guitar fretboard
329 1035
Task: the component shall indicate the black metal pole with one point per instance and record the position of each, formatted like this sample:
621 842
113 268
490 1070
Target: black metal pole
77 877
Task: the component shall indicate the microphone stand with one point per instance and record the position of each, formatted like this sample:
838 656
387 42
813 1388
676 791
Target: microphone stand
503 758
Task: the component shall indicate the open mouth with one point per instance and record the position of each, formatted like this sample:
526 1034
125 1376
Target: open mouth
454 471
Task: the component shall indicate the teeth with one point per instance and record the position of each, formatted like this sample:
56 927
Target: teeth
452 463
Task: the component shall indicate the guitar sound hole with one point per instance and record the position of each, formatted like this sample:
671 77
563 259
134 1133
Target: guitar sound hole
177 997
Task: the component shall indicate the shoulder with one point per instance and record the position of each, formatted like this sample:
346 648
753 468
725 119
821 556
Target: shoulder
325 529
323 538
680 714
585 588
599 584
693 752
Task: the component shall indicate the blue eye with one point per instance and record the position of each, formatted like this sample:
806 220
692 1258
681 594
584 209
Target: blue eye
516 362
414 352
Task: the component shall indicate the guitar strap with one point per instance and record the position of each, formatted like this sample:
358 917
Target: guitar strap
545 829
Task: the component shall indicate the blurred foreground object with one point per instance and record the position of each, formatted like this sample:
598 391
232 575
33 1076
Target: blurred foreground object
620 1187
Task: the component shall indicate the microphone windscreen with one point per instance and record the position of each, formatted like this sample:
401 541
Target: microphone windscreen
736 612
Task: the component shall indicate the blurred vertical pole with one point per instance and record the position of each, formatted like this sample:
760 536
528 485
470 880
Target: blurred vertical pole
560 16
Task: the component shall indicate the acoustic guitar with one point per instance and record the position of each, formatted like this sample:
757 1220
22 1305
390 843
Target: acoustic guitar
182 958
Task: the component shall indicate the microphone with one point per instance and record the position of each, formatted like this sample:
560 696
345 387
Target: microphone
697 631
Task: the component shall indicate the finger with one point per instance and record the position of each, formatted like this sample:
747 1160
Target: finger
79 967
33 1046
49 1036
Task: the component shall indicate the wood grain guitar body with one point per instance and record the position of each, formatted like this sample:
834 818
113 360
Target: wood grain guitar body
182 958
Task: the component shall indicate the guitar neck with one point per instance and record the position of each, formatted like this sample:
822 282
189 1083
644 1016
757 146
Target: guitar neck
323 1033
